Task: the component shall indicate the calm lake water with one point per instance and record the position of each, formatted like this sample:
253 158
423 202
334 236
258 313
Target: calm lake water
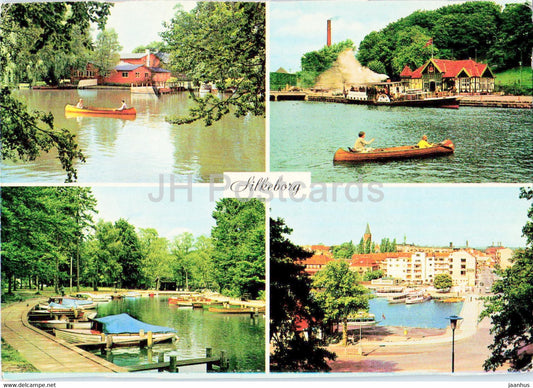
242 338
138 150
492 144
429 314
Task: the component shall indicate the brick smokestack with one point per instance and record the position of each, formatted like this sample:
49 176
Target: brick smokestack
329 33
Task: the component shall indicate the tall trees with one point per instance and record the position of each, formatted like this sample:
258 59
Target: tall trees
157 260
511 306
239 246
222 43
293 310
41 229
193 264
129 256
479 30
106 50
27 31
344 251
339 293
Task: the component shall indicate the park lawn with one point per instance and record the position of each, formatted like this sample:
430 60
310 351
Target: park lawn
512 76
13 362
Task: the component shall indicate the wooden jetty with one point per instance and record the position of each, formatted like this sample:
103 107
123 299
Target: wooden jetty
213 364
288 96
45 352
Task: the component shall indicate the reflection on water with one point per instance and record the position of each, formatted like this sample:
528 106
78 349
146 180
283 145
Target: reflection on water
429 314
138 150
242 338
492 145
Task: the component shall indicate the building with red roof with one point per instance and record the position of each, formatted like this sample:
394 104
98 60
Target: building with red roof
439 75
315 263
139 69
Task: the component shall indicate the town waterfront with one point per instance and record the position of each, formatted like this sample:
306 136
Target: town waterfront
242 338
491 144
140 149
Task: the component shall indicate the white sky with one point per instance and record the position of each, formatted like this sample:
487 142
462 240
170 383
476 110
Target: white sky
169 216
140 22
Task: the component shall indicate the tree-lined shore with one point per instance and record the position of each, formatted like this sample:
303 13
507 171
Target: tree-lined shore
50 237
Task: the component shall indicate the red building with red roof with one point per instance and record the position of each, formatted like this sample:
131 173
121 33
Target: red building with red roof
315 263
438 75
139 69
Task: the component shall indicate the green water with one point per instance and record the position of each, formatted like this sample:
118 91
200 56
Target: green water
242 338
138 150
492 144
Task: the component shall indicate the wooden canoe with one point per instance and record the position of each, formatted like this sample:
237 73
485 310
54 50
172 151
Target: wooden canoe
394 153
100 111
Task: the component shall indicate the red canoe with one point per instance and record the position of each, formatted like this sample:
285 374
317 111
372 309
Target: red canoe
100 111
404 152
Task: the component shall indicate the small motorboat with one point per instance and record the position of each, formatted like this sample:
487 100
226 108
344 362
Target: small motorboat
124 329
72 109
394 153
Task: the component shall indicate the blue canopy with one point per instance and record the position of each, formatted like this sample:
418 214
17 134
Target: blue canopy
123 323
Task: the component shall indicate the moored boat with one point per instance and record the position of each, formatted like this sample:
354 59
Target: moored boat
394 153
417 298
100 111
235 310
124 329
362 319
71 303
51 324
400 298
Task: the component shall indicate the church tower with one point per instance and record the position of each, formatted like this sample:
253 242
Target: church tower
367 236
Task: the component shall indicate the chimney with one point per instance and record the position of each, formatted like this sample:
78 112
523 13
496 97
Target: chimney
329 32
147 52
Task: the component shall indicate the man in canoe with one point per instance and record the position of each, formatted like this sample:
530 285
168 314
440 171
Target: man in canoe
361 143
79 105
423 143
123 106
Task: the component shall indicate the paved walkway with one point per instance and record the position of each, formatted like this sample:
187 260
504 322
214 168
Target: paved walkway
45 352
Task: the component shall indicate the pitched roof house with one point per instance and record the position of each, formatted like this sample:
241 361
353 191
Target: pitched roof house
139 69
436 75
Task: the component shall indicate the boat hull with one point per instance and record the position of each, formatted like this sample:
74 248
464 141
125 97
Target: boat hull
85 336
435 102
394 153
71 109
233 310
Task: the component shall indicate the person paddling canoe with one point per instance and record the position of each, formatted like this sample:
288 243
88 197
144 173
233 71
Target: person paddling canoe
423 143
123 106
361 143
79 105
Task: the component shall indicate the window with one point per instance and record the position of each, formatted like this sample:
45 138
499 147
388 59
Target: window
137 75
125 74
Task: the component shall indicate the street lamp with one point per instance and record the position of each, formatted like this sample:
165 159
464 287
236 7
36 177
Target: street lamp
453 324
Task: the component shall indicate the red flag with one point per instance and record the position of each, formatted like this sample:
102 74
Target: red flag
429 43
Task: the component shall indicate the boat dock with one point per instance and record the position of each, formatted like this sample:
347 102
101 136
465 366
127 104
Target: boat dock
45 352
487 101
